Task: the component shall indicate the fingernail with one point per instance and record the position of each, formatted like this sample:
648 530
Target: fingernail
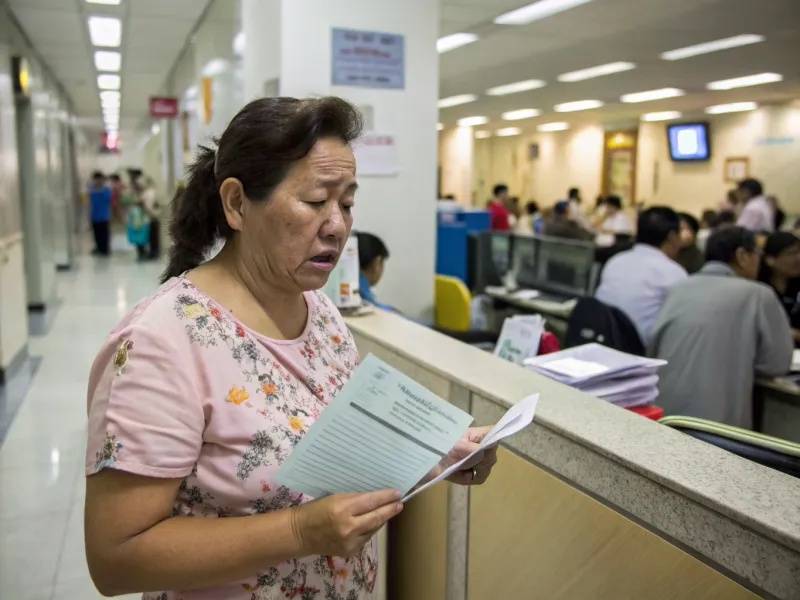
399 507
397 495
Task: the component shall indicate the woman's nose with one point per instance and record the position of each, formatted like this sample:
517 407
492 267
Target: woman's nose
336 224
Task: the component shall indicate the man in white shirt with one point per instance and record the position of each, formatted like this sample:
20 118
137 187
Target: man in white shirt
758 213
636 281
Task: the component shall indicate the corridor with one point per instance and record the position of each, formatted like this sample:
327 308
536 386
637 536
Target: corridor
42 456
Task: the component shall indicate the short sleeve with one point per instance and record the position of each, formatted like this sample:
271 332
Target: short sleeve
145 414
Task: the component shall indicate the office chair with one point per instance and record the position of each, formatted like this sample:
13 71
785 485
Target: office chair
452 312
775 453
593 321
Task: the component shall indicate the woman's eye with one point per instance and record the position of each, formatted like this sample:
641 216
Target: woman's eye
318 203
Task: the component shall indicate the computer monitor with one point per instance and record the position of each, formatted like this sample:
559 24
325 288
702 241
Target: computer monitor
564 266
489 255
525 248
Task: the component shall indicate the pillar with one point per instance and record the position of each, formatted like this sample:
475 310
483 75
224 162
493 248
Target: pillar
288 50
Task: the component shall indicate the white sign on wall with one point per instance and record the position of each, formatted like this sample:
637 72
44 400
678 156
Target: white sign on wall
376 154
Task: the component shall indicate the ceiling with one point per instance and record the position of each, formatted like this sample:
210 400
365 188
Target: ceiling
599 32
153 34
605 31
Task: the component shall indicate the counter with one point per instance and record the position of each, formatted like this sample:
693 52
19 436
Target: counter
591 501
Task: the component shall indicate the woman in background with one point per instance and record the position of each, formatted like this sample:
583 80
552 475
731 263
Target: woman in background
780 269
372 257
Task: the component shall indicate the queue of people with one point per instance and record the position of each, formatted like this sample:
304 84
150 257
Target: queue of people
140 210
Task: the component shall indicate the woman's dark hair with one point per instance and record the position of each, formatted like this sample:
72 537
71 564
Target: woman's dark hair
708 217
258 147
776 244
723 243
98 175
614 201
370 247
531 208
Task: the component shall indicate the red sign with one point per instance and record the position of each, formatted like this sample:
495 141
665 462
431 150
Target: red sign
163 108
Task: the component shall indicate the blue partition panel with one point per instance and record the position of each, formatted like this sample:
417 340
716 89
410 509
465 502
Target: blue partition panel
451 250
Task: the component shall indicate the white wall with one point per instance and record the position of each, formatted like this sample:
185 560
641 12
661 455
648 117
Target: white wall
567 159
456 151
769 136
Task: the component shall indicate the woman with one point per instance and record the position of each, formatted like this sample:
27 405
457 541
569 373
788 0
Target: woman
780 269
372 257
205 387
525 224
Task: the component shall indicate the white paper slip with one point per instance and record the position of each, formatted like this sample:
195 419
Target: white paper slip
574 367
526 294
516 418
519 339
381 431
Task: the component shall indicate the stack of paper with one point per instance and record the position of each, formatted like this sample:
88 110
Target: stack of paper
622 379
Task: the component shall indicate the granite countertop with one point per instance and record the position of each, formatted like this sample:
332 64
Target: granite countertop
763 499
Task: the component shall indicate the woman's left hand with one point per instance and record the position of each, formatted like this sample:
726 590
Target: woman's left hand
476 470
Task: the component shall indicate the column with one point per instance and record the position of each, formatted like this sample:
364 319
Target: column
456 147
288 48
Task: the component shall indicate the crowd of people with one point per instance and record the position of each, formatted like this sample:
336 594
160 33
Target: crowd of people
136 206
717 297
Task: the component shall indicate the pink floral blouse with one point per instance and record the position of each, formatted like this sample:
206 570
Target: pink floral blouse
181 389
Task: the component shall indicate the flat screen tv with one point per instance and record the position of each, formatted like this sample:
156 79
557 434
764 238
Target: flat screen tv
689 142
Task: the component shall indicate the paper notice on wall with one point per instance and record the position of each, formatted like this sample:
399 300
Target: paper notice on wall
376 154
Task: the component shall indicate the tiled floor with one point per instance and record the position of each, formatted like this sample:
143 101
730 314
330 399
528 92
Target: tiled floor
41 459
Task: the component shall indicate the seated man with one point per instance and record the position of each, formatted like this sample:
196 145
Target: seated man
636 281
718 330
372 256
561 225
690 257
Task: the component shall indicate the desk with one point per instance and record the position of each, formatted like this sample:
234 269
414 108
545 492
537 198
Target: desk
557 313
776 408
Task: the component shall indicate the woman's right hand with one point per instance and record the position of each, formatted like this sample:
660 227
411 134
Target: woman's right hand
342 524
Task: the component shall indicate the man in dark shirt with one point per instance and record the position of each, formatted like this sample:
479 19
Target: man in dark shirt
690 257
564 227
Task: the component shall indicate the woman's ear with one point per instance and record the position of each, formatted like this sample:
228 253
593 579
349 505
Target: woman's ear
233 200
770 261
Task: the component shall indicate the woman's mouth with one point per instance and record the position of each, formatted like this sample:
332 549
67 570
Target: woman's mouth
324 261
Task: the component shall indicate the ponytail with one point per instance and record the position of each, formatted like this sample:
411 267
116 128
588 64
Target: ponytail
197 217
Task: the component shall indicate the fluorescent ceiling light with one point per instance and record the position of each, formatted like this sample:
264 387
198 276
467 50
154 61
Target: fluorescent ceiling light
456 100
724 44
105 60
514 88
112 97
239 43
191 92
508 131
111 112
214 67
652 95
482 135
155 129
737 82
105 31
558 126
666 115
599 71
109 2
537 11
470 121
523 113
439 127
733 107
455 40
106 81
579 105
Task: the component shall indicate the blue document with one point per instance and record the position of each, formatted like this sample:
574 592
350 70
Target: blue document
381 431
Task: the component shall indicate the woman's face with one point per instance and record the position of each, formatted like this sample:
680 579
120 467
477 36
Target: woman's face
295 237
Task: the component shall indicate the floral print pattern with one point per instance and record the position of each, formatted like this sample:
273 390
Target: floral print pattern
260 397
